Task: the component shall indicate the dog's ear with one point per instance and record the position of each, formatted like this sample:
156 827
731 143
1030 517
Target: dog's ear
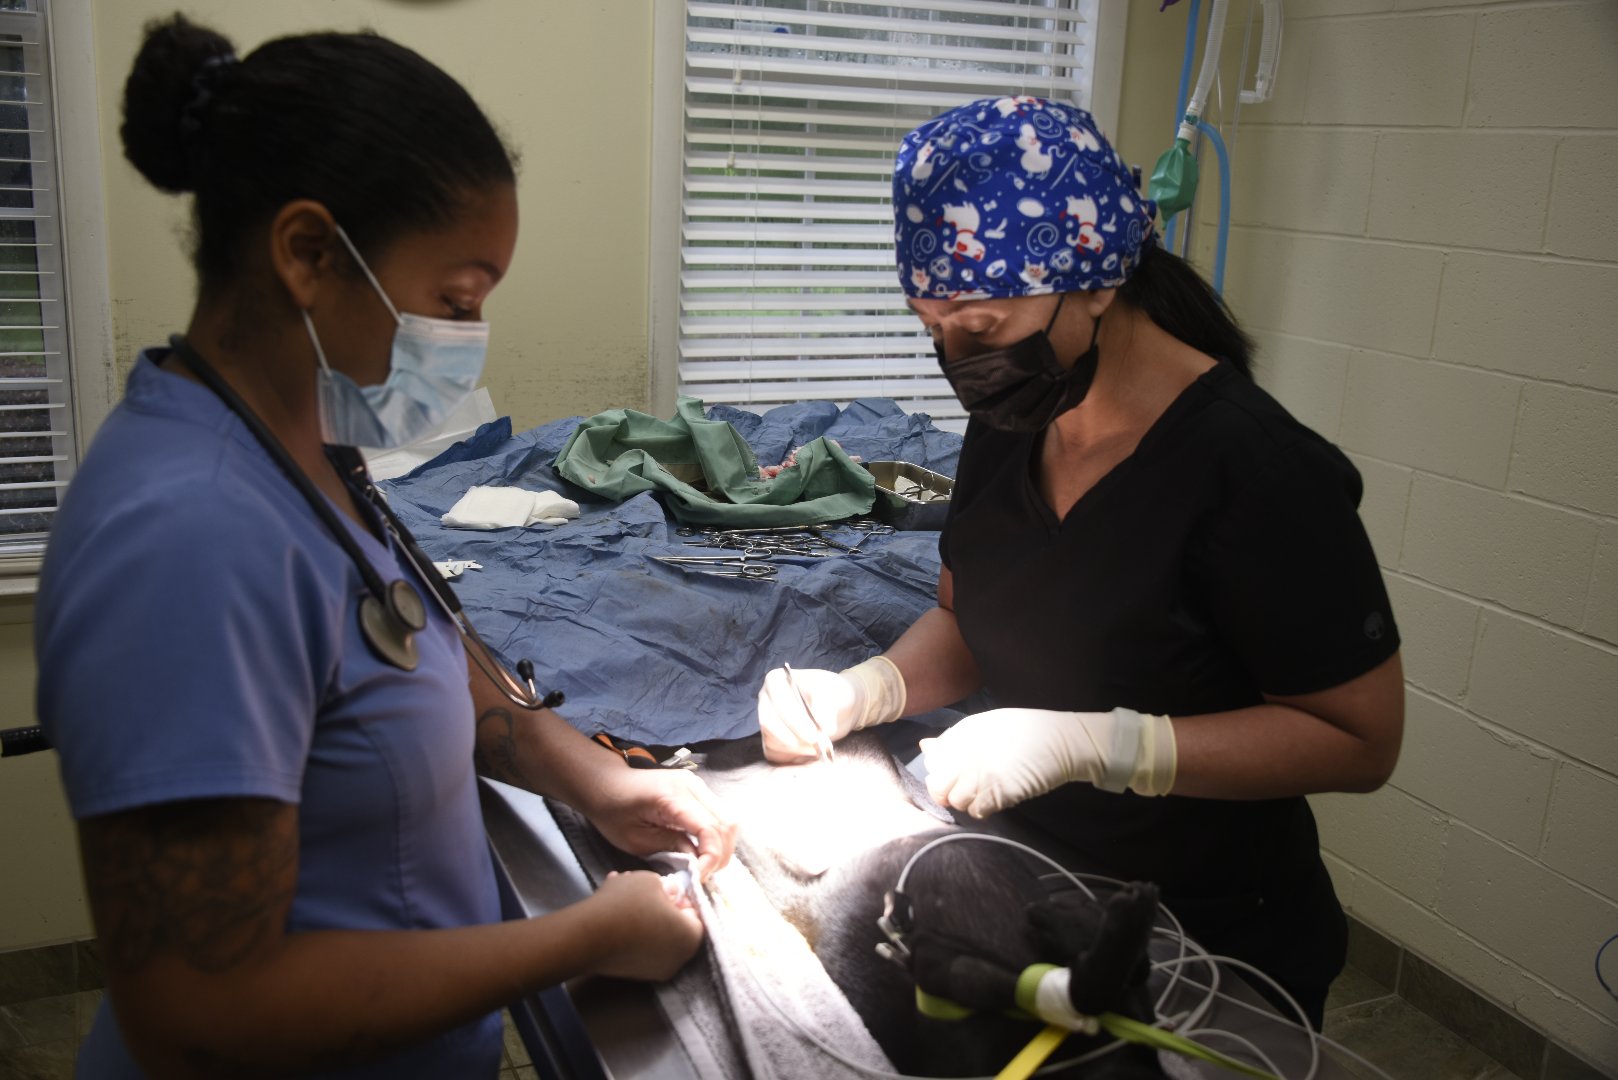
1065 923
1116 963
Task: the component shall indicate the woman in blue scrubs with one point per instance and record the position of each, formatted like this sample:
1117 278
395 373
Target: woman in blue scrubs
275 793
1155 573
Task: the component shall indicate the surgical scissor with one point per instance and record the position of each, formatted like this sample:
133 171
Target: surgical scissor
720 565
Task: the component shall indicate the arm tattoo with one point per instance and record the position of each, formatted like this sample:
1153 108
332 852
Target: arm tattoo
496 753
208 880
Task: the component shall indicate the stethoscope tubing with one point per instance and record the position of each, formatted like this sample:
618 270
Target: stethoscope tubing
352 471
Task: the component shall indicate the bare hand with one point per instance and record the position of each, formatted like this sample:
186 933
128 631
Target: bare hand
645 810
641 931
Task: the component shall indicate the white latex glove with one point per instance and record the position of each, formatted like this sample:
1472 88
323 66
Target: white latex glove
995 759
869 693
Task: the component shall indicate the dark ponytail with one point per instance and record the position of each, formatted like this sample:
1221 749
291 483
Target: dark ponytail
1174 296
380 136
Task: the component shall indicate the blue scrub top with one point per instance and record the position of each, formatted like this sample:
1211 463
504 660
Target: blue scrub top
198 637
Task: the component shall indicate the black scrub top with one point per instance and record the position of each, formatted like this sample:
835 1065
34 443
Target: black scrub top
1222 560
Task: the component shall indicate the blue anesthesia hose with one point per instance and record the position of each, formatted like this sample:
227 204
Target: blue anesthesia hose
1224 202
1192 21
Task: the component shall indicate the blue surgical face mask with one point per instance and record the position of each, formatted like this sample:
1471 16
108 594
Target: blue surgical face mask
434 367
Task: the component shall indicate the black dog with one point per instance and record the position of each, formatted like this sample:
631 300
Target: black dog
974 914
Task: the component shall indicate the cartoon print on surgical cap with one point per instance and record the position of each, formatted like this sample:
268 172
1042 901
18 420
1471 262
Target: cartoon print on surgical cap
1014 196
965 219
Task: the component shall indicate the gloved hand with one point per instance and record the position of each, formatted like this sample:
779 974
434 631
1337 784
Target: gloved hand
869 693
995 759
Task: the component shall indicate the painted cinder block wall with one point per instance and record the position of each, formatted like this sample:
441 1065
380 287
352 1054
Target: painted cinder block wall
1425 244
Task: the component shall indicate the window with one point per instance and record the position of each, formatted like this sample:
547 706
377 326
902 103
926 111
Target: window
790 114
56 370
36 415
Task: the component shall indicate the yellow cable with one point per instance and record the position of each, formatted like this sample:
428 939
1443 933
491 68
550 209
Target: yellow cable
1033 1055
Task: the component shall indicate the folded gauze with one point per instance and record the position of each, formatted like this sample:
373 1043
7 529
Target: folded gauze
509 507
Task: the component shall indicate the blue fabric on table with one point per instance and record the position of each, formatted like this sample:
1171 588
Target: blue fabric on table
643 649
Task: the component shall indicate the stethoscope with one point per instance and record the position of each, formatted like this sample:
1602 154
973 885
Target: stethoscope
391 613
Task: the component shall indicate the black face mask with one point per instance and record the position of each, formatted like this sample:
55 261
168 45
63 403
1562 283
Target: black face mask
1022 387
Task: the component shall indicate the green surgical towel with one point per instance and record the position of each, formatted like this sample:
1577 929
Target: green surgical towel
707 472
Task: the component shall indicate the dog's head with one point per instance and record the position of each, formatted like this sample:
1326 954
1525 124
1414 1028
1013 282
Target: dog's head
973 916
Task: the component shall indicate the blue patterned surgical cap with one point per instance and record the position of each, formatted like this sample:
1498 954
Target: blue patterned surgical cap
1014 196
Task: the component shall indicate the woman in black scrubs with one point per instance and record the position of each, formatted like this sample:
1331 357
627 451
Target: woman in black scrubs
1154 571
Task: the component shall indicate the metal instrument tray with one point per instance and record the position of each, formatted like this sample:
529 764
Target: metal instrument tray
909 496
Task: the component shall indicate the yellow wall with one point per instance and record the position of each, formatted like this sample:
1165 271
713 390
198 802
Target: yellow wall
42 901
1153 46
567 81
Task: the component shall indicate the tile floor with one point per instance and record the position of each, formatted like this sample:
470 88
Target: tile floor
39 1036
1372 1021
515 1066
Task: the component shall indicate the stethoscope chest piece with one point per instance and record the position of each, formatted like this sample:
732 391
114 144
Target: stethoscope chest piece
390 614
390 629
405 602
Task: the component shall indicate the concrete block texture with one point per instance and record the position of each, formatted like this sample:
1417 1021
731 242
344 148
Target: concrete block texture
1368 293
1308 9
1522 554
1536 1000
1548 66
1303 179
1305 376
1537 317
1408 71
1382 509
1388 835
1531 915
1436 630
1445 419
1421 5
1464 188
1480 774
1563 1064
1601 612
1582 828
1549 686
1566 449
1344 879
1583 220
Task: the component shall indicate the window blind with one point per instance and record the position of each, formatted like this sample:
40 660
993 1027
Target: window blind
793 110
36 418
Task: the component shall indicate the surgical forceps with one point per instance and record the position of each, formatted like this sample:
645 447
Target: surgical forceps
806 541
720 565
823 749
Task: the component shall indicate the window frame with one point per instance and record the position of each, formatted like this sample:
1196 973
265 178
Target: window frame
667 173
75 114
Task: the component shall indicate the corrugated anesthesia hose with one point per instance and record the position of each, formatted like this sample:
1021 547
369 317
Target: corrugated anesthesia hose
1164 190
1210 68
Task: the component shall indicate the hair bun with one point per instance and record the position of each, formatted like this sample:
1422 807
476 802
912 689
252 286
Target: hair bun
161 90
